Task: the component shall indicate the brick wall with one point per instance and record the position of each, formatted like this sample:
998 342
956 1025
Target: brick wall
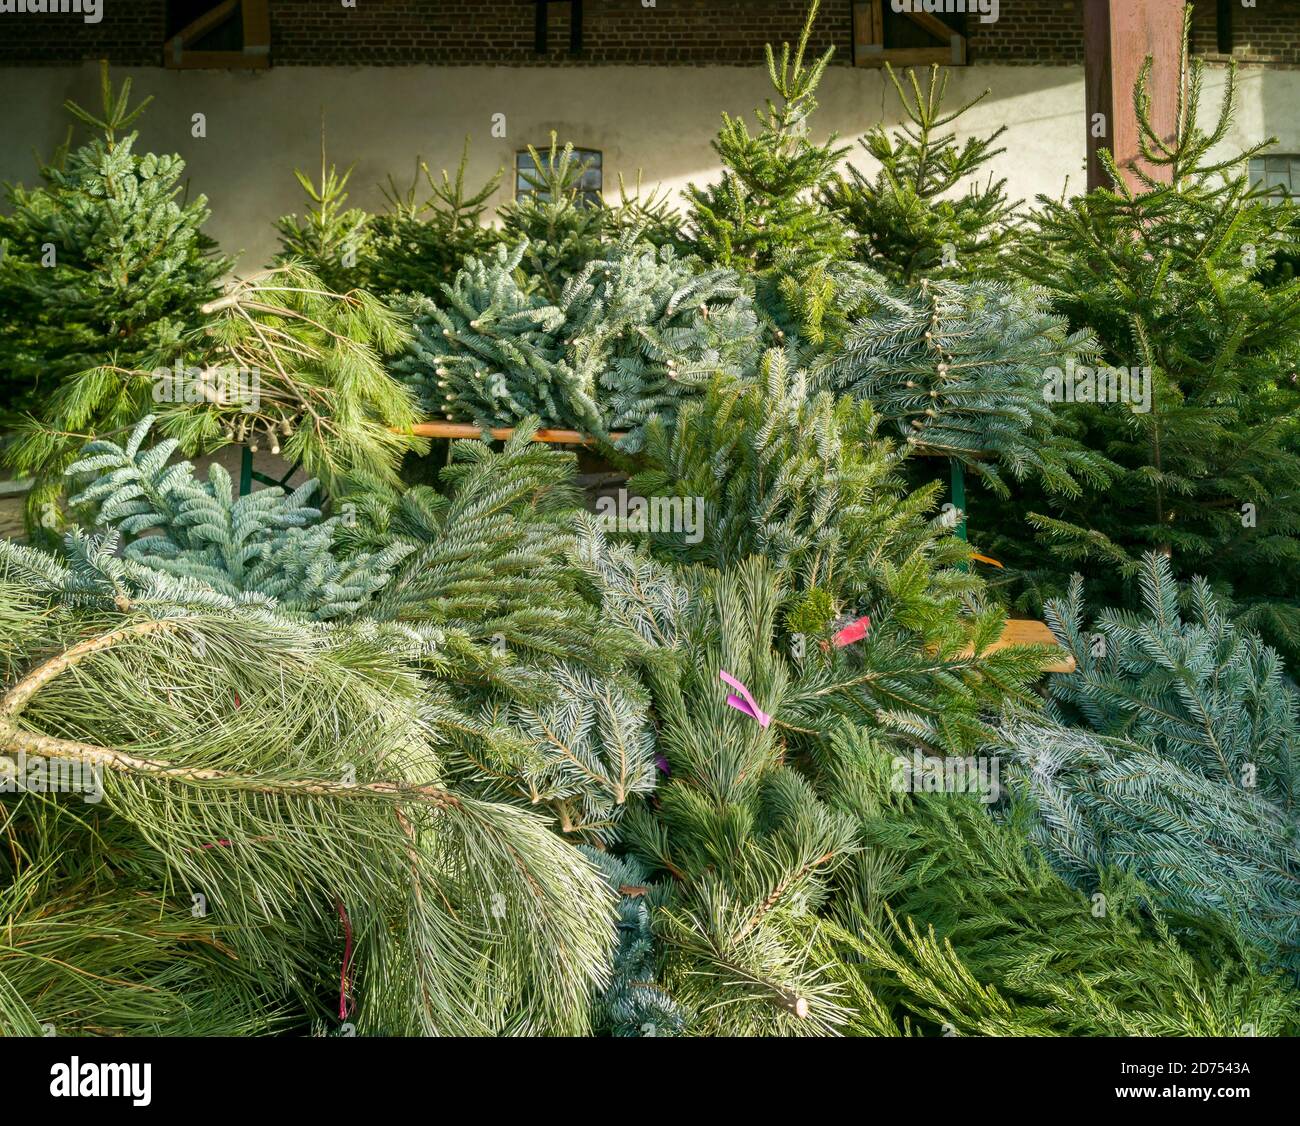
1029 31
129 34
673 32
502 31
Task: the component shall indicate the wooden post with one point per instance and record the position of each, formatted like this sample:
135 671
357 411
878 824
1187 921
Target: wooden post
1117 36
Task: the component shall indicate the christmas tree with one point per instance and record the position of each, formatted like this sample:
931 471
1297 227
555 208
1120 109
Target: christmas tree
266 543
1195 391
1180 764
959 370
558 223
105 268
766 202
419 245
950 923
335 242
634 332
907 221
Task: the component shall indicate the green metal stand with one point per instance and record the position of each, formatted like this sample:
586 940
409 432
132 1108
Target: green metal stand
959 494
247 474
959 501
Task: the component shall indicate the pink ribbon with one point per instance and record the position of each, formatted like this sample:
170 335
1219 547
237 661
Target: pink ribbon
744 702
851 633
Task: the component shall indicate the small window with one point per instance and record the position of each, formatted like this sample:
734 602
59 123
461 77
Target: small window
1279 173
527 180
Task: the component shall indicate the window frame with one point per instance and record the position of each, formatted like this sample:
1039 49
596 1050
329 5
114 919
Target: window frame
1292 189
869 48
256 52
591 197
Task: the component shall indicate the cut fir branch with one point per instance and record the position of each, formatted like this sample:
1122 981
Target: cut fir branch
309 749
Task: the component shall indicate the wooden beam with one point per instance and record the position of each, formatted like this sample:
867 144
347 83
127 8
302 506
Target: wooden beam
575 27
1117 36
1017 631
219 60
504 433
257 27
539 27
213 17
908 56
933 24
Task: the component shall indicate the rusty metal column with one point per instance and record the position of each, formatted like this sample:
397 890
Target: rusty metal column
1117 36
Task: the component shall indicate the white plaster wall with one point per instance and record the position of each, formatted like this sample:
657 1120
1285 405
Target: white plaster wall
260 125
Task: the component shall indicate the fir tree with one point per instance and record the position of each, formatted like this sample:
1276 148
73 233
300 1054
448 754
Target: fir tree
104 269
1171 277
907 221
746 842
333 241
483 572
634 1004
266 543
767 200
959 369
523 648
419 245
802 481
650 214
633 333
514 369
949 924
556 221
1180 764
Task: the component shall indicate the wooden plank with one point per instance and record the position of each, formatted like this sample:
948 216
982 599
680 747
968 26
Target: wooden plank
218 60
257 27
908 56
504 433
210 19
933 24
1020 631
867 35
932 451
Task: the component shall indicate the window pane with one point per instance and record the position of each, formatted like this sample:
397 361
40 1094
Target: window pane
590 184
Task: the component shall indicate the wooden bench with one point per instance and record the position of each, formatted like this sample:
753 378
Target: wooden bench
1025 631
504 433
1018 631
